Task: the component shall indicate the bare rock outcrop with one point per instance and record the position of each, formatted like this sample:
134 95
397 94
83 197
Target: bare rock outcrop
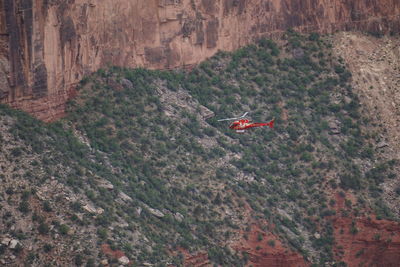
51 45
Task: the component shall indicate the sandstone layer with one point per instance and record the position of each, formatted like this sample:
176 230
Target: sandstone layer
47 46
263 248
364 240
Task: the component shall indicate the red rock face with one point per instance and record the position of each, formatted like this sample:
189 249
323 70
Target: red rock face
46 47
196 259
377 242
264 249
362 241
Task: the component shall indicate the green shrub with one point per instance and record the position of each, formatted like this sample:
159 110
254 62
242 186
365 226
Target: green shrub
64 229
47 247
46 206
397 190
78 260
348 181
24 206
271 243
16 152
43 228
102 233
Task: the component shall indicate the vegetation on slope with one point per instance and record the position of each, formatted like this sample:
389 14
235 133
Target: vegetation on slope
159 177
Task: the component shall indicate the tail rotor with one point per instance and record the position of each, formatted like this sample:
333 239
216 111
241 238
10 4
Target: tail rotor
271 123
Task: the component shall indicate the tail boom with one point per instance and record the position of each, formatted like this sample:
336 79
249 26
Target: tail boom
261 124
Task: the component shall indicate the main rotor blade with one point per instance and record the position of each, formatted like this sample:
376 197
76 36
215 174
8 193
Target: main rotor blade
244 115
237 118
230 119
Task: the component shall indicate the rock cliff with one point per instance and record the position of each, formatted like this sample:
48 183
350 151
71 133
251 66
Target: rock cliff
365 240
47 46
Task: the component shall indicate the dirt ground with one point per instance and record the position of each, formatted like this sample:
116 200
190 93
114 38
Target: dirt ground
375 65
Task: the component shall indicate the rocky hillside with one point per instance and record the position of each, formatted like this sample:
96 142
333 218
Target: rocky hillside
375 65
46 47
140 172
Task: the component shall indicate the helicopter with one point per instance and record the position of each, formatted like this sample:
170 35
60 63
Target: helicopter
241 124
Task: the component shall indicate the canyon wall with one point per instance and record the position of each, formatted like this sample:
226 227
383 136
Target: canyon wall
47 46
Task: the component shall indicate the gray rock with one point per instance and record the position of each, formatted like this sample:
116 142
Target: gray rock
335 131
105 184
127 83
5 241
179 217
298 52
206 113
347 99
382 144
89 208
156 212
138 211
123 260
123 225
125 197
334 127
13 244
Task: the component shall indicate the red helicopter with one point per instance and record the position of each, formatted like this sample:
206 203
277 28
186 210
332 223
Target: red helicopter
240 124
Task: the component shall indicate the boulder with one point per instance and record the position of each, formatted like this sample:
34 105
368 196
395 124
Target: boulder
298 53
382 144
206 113
334 127
156 212
138 211
13 244
106 184
127 83
123 260
99 211
179 217
91 209
5 241
125 197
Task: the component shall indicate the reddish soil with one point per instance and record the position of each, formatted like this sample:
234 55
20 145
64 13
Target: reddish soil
115 254
196 260
199 259
375 242
265 249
